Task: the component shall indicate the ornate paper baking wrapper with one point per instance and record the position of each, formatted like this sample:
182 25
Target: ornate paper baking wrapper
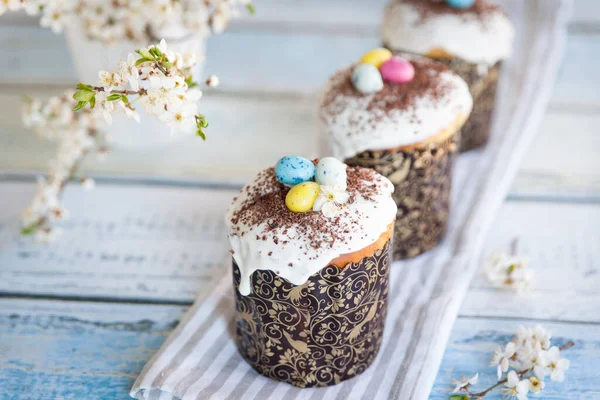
483 84
317 334
422 178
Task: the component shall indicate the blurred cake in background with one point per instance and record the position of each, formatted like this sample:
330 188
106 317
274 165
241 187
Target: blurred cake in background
311 256
472 37
401 117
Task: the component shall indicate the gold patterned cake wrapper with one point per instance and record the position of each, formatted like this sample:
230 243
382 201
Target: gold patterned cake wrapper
319 333
422 178
483 84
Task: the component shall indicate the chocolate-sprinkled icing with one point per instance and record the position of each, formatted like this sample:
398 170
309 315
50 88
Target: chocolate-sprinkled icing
480 34
400 114
265 234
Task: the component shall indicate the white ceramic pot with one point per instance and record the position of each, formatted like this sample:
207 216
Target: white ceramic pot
90 57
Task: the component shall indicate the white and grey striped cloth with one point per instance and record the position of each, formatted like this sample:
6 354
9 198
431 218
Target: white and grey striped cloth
200 361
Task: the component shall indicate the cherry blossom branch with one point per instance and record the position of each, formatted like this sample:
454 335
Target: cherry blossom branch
526 350
125 20
161 80
157 79
76 134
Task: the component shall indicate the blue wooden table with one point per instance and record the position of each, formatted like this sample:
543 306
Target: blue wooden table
79 320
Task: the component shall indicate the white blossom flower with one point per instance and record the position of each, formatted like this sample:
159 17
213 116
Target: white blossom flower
465 382
181 119
542 336
9 5
105 107
507 271
107 81
88 183
536 385
213 81
515 387
501 358
175 84
128 72
47 235
552 364
331 200
58 214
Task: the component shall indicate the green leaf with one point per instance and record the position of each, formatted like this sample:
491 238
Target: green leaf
202 122
83 95
145 53
155 51
511 268
190 82
459 397
84 87
143 60
125 99
28 230
167 64
251 8
201 133
93 102
26 99
114 97
80 105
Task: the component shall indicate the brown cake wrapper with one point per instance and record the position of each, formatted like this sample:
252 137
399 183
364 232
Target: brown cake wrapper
317 334
422 176
483 85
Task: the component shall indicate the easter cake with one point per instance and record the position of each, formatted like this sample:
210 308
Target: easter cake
407 129
472 37
311 254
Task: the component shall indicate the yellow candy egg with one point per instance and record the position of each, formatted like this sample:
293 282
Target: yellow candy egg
301 197
376 57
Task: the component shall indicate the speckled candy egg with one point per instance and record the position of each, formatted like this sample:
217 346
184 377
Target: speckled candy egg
301 197
366 78
397 70
291 170
331 172
461 4
376 57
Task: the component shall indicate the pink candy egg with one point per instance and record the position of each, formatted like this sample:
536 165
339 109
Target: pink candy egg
397 70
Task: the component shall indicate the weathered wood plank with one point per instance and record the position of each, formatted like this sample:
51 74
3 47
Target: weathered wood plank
319 54
562 160
98 258
121 242
266 127
77 350
82 350
473 340
563 242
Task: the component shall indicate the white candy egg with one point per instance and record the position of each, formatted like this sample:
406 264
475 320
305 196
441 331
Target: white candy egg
367 79
331 172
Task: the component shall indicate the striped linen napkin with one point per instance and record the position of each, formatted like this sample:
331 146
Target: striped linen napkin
200 361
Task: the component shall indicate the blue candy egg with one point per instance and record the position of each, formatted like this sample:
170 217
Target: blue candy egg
292 170
367 79
460 3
